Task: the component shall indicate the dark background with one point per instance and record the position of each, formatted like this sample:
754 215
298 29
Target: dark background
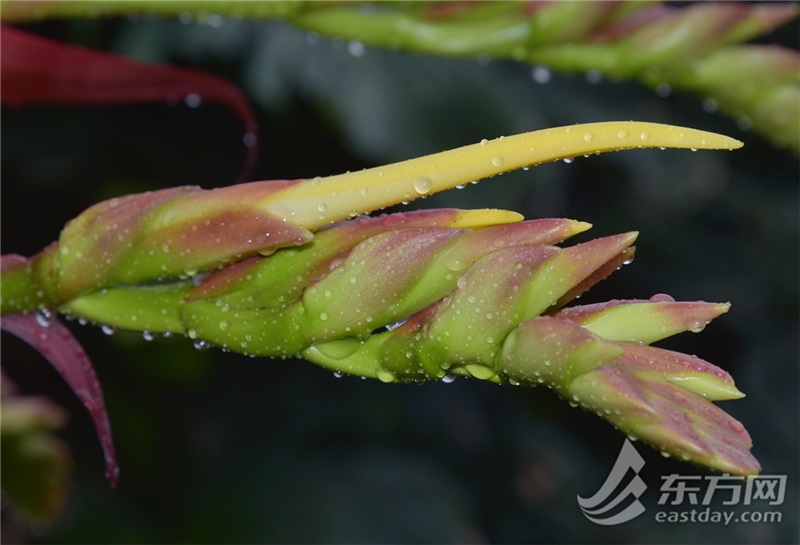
221 448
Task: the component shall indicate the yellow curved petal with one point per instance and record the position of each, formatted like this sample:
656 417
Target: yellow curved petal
320 201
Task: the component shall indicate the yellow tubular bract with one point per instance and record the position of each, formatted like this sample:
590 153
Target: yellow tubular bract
318 202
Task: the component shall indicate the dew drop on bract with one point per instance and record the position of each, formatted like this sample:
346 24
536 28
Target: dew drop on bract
456 264
107 329
697 327
447 379
662 298
44 317
423 185
498 160
201 345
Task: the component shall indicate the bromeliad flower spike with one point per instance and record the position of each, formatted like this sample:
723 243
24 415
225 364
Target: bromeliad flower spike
285 268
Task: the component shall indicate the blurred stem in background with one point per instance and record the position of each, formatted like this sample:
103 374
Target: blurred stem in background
694 47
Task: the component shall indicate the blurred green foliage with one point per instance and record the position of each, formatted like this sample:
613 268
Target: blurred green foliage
216 447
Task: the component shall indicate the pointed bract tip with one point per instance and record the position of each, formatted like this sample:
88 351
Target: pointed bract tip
475 219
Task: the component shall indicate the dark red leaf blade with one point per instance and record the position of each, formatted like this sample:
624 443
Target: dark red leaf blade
57 344
36 70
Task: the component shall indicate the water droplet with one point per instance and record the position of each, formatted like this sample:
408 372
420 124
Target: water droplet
385 376
447 379
423 185
107 329
223 325
697 327
497 160
456 263
662 298
568 160
622 135
193 100
338 374
541 74
594 76
215 20
588 137
201 345
323 316
628 260
663 90
322 207
44 317
249 139
356 48
744 123
146 335
710 105
644 136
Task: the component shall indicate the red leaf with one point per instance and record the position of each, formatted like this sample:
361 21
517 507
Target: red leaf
57 344
36 70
